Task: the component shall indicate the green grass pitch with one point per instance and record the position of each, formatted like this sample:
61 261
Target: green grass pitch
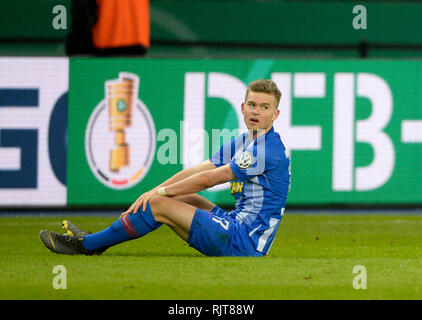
313 257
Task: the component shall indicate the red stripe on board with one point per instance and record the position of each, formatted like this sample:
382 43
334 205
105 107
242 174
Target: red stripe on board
119 182
128 227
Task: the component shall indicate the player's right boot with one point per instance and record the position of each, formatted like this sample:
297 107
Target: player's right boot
65 244
73 230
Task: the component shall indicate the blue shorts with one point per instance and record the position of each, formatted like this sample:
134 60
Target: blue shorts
215 234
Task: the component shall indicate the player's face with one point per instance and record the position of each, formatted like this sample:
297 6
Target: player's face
259 111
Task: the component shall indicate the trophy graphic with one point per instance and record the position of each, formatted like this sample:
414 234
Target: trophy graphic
121 95
120 136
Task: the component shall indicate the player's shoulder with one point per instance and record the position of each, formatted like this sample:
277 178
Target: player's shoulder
239 141
274 143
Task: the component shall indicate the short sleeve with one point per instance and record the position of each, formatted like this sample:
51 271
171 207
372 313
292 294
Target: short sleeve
224 155
255 160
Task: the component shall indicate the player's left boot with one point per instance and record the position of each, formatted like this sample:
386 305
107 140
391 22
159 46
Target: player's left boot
65 244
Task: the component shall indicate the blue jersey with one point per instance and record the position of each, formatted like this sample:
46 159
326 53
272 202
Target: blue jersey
262 168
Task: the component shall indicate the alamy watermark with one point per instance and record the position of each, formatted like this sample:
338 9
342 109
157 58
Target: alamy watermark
360 20
194 146
60 17
60 281
359 281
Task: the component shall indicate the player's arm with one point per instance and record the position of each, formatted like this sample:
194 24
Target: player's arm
185 173
200 181
192 184
181 175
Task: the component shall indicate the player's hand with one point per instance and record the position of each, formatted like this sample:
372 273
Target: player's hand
145 199
141 201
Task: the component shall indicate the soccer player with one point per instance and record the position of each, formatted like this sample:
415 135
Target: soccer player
256 164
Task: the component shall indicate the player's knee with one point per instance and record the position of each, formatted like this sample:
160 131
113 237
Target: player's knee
158 206
157 202
161 208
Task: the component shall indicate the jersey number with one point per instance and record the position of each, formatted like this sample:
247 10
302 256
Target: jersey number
222 222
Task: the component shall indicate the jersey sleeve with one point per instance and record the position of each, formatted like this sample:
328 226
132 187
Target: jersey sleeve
224 155
255 160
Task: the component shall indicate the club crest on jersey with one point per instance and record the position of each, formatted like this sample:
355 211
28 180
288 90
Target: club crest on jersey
244 160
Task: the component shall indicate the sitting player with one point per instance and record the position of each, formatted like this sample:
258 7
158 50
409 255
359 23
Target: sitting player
256 164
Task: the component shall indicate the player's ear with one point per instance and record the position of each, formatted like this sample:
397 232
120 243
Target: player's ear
242 108
275 116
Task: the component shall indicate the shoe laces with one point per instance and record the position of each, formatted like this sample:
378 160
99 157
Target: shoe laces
73 241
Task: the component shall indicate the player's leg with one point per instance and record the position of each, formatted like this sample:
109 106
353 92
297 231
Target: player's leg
211 232
128 227
191 199
159 210
176 214
194 200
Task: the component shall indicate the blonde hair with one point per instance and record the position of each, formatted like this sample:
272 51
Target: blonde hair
265 86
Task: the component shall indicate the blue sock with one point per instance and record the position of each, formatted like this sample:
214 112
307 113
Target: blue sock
131 227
